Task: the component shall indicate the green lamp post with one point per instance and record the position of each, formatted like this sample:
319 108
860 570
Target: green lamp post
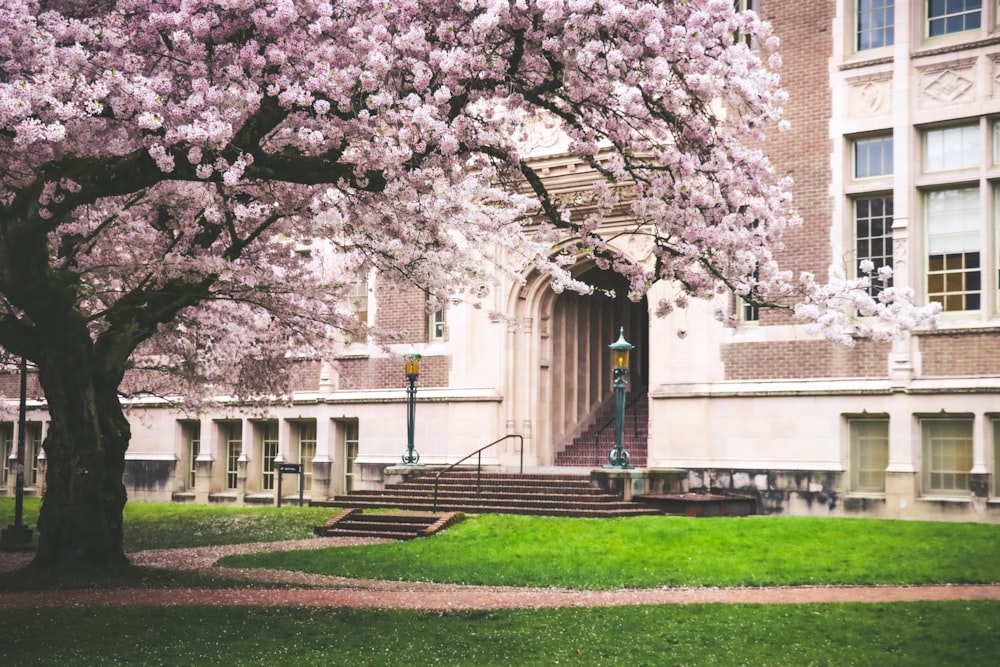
618 458
411 362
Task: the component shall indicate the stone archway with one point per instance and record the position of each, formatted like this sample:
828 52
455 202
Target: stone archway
559 370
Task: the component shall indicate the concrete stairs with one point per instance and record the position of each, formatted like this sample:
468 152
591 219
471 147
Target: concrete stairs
355 522
496 493
591 446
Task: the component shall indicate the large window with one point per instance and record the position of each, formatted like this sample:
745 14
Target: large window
350 453
952 223
306 437
951 148
945 17
872 167
873 236
6 450
436 326
191 435
875 27
947 456
869 455
268 453
956 235
32 448
233 443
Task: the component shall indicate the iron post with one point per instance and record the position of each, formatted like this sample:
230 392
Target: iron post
412 369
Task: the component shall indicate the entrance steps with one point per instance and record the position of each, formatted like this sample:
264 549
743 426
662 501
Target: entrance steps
592 445
356 522
496 493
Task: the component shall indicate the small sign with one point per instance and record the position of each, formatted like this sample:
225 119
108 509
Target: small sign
290 467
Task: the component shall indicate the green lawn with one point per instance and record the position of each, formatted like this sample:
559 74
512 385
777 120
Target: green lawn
641 551
647 552
838 635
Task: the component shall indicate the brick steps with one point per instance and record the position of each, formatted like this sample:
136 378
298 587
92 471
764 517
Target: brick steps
354 522
591 447
498 493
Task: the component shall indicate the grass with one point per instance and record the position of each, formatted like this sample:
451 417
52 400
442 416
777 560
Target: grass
929 633
175 525
646 552
641 551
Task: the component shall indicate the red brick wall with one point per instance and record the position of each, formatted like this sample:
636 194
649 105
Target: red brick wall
804 359
803 152
387 372
960 354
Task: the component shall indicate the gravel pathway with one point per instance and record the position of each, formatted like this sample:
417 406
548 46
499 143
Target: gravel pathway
323 590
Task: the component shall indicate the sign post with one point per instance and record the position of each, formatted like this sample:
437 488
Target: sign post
295 468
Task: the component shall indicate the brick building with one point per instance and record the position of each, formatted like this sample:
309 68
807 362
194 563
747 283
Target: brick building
895 152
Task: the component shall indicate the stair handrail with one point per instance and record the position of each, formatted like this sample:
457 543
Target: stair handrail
479 463
635 422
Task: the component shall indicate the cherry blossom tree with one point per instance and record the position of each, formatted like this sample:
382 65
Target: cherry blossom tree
192 185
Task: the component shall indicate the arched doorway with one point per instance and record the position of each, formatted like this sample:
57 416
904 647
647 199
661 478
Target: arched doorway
568 373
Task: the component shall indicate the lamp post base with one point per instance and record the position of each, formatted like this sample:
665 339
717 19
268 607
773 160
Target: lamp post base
16 538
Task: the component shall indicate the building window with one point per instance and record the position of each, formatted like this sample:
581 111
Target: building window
873 157
873 236
749 312
6 450
268 453
191 434
436 326
951 148
32 448
869 455
233 447
306 436
359 298
947 459
945 17
952 223
996 456
876 24
350 430
749 40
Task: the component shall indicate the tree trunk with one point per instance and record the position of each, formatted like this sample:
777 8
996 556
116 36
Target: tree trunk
80 524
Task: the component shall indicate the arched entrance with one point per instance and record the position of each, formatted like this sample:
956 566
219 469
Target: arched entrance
561 377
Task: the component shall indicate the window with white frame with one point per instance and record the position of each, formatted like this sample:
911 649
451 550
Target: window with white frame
945 17
947 455
350 453
233 447
6 450
869 455
872 168
306 450
957 172
32 448
875 26
268 453
436 326
950 148
746 6
952 225
996 456
359 297
191 438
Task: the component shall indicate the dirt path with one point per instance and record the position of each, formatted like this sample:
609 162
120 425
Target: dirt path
321 590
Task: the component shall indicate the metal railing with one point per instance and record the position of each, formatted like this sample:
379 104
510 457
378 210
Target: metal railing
479 463
635 420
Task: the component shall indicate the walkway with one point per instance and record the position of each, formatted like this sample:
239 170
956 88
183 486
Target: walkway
322 590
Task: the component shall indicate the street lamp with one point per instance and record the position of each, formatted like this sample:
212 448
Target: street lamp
618 458
18 536
412 367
